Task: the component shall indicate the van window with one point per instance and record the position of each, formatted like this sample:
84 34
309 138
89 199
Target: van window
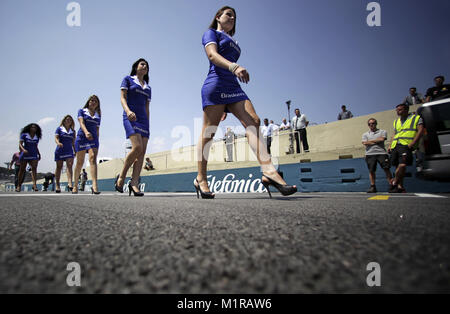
441 114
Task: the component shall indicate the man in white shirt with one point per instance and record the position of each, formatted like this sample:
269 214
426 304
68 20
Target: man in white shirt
275 128
267 131
285 125
299 124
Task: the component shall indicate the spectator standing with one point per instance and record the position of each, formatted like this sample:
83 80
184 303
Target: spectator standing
83 179
376 153
275 127
267 132
344 114
440 91
408 130
229 142
15 160
413 98
299 124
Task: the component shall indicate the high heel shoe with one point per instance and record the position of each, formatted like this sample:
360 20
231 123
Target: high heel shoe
93 192
35 189
284 189
118 188
207 195
130 188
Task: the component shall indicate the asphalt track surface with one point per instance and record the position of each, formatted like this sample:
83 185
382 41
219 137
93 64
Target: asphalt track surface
236 243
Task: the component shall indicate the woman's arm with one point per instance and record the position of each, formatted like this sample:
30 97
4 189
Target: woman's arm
218 60
123 99
21 148
84 129
58 143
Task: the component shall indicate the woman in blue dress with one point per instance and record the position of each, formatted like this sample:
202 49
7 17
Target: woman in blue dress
65 145
87 141
135 98
29 152
222 93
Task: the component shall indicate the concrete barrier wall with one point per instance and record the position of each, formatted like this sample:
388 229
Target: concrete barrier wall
330 141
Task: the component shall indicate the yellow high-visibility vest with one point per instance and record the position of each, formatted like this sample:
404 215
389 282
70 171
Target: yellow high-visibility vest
405 133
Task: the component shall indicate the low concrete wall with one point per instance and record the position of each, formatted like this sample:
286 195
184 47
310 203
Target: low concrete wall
331 141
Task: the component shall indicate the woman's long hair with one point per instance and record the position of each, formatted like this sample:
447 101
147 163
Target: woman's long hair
72 125
28 127
134 69
98 110
213 24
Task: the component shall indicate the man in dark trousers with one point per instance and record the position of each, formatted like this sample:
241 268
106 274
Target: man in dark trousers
299 124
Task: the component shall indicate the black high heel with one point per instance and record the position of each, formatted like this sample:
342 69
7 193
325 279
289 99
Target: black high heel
284 189
207 195
118 188
93 192
130 188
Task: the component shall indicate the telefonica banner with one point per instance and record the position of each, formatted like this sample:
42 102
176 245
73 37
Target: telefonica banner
229 184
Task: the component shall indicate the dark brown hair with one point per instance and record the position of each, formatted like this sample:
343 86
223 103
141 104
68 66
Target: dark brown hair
72 125
213 24
99 111
134 69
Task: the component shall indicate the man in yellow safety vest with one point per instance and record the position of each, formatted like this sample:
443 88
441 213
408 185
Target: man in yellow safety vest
408 129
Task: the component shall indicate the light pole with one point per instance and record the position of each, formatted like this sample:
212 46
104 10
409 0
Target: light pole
291 137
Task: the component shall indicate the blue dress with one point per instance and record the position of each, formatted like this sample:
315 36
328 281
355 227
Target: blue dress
91 123
137 97
30 144
65 138
221 86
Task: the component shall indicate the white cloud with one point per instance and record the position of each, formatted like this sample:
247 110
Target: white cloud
45 121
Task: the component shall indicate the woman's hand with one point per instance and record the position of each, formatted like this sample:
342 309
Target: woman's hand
60 145
89 136
25 152
131 116
242 74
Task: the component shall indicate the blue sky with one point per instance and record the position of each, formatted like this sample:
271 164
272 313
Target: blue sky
319 54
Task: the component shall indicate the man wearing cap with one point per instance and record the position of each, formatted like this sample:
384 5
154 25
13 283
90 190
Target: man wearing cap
408 129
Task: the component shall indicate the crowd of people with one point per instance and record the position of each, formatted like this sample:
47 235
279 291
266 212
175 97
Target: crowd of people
221 94
408 132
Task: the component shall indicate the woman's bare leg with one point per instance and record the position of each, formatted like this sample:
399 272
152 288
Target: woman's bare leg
69 165
23 166
137 167
93 165
59 165
78 166
246 114
135 152
211 119
34 164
